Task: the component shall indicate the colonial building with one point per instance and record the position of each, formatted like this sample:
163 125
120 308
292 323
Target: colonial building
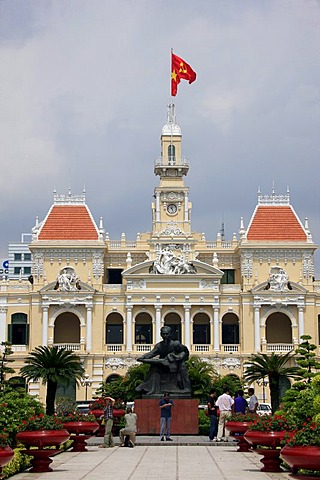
107 300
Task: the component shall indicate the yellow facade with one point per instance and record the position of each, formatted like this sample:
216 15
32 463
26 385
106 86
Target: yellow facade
224 299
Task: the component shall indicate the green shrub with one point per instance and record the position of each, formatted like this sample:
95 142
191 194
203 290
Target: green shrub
19 463
204 422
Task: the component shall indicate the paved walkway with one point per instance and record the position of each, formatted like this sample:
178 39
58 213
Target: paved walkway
182 459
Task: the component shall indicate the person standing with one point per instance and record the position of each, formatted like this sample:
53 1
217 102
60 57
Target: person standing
108 441
165 405
224 403
240 404
213 415
253 401
130 428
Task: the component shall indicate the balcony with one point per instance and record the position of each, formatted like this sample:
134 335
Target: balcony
143 347
279 347
200 348
73 347
230 348
115 348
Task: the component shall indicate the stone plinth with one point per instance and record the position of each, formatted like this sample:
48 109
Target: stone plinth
184 416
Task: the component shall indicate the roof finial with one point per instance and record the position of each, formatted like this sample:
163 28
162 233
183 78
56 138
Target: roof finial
273 187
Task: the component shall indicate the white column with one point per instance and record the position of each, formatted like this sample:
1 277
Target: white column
45 317
129 329
257 346
216 329
301 322
89 329
186 211
158 323
187 326
3 324
158 207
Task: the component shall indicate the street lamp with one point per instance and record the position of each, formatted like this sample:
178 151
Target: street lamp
264 383
86 382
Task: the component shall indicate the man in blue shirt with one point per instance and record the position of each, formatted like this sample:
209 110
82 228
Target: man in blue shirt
165 405
240 404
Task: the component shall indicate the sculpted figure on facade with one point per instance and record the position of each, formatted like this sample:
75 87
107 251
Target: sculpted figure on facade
67 280
170 264
278 280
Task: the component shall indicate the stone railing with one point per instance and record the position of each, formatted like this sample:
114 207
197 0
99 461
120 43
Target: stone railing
200 348
231 347
115 348
279 347
74 347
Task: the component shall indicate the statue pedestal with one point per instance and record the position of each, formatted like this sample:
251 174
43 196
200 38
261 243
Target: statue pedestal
184 416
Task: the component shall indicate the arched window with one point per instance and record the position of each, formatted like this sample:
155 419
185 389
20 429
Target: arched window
18 330
66 328
143 329
278 328
172 154
201 329
112 378
173 321
230 329
114 329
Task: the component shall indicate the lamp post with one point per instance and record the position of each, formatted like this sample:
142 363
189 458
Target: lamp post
264 383
86 382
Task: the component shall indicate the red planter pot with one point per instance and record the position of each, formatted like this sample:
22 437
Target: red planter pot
237 430
80 431
6 455
42 438
270 456
307 457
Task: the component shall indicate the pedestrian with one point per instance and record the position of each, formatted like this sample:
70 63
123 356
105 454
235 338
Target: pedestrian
224 403
165 405
253 401
213 415
130 429
108 441
240 404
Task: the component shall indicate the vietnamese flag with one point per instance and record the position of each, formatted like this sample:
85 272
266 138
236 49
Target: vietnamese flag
180 70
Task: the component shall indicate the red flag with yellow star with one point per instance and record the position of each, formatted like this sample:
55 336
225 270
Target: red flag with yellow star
180 70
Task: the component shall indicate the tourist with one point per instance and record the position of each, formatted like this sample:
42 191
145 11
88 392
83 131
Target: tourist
240 404
129 430
224 403
165 405
108 441
213 415
253 401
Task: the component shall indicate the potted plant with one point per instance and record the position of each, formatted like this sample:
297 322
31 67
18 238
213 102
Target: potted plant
302 448
268 431
6 452
237 424
81 426
42 431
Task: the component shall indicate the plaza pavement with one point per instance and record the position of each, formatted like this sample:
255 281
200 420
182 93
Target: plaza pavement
186 458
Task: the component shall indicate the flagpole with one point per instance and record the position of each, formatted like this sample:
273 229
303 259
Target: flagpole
171 98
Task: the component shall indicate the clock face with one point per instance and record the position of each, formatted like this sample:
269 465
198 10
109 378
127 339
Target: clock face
172 208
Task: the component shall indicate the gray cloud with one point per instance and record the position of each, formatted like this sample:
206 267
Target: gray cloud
84 89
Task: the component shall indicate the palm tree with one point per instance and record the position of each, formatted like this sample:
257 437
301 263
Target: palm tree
54 366
201 374
272 366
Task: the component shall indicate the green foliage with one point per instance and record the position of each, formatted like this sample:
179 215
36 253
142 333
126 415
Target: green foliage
201 376
41 422
273 423
114 389
302 401
231 382
19 463
243 417
6 351
16 406
78 417
52 365
307 358
274 366
309 434
204 423
65 405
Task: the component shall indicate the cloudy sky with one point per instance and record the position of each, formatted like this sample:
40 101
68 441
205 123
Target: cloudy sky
84 90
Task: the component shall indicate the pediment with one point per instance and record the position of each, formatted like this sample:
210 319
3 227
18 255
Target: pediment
51 287
144 268
264 288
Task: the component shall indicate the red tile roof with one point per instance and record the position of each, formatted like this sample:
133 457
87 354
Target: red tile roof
278 223
68 222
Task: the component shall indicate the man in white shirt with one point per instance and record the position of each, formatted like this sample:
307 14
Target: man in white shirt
224 403
253 402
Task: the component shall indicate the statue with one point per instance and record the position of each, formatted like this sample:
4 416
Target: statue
168 372
278 280
170 264
67 280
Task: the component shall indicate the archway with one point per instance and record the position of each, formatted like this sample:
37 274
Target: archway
143 329
114 328
66 329
278 328
173 321
201 329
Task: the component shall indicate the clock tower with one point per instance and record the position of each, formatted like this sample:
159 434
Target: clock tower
171 209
